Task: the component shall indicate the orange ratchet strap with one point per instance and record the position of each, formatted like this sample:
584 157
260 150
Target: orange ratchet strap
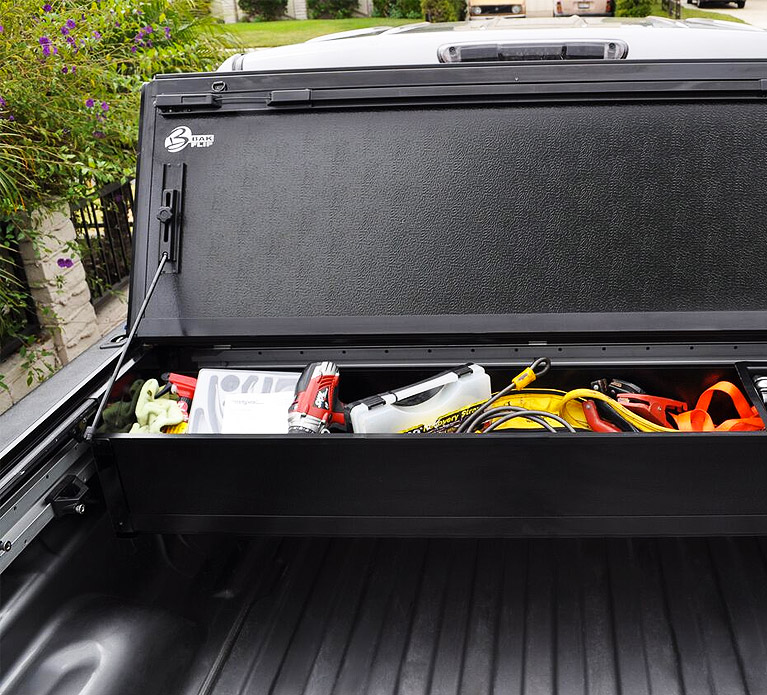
698 419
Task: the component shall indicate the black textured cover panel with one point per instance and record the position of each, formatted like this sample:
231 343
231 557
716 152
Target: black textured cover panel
416 617
519 210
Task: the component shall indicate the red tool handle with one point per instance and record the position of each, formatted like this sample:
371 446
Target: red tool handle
596 423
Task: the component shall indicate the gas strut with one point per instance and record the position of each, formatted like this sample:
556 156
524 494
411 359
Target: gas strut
90 431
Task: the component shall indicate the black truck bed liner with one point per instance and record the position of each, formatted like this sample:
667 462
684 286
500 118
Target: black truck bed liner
225 616
508 616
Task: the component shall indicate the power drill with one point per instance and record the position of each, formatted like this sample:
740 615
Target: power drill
316 406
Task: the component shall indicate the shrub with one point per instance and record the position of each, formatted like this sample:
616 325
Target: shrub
267 10
633 8
331 9
439 10
70 75
408 9
460 9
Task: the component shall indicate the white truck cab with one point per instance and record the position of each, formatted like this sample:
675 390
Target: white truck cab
515 38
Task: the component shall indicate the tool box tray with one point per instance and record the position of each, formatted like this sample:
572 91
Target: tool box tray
607 215
507 484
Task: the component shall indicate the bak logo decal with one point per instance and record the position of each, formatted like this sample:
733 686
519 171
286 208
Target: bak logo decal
180 137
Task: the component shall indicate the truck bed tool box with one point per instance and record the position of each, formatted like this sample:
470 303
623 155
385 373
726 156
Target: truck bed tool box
403 221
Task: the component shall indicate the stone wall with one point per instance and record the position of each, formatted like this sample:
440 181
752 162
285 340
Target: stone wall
70 323
227 10
296 9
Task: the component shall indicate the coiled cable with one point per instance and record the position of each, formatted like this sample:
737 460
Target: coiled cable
536 370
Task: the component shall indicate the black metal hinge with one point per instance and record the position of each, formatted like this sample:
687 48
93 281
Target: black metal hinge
169 215
68 497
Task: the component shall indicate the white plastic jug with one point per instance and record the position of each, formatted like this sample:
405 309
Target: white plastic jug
421 403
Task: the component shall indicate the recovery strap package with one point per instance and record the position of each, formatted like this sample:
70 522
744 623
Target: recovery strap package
396 223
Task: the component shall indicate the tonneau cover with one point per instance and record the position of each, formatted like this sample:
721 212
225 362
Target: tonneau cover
456 200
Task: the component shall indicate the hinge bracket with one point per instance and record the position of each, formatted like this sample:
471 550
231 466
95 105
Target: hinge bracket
170 213
68 497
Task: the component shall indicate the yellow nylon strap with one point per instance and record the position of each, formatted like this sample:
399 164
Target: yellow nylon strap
639 422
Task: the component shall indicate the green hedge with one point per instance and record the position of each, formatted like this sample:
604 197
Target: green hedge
398 9
331 9
267 10
633 8
440 10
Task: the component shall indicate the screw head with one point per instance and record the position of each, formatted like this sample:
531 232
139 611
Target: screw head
80 508
6 546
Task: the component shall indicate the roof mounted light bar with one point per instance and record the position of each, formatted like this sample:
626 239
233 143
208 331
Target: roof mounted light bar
514 51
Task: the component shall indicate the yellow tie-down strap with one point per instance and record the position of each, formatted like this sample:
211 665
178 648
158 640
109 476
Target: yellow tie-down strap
565 404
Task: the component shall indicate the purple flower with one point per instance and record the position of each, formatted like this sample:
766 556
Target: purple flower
71 23
64 30
65 262
104 106
70 40
98 134
55 50
11 117
47 8
149 44
46 50
72 70
167 32
2 103
65 69
132 49
43 40
117 25
148 29
2 28
89 103
96 35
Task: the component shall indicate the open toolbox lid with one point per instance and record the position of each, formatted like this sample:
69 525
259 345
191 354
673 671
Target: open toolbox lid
487 199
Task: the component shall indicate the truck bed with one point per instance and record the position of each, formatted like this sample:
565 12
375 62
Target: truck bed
410 616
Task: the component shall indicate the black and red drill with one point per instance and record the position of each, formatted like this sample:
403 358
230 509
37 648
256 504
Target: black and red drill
316 407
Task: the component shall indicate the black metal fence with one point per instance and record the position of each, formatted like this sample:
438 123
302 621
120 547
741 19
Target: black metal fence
17 313
673 8
104 226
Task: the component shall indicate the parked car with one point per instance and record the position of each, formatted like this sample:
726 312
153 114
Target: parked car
481 9
702 3
396 204
584 8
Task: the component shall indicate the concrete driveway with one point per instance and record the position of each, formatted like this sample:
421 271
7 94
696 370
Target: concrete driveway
755 11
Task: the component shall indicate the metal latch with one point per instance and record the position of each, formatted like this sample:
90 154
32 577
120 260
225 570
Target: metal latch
170 103
169 215
289 97
68 497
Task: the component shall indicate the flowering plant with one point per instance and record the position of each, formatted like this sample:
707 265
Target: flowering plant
70 76
70 73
